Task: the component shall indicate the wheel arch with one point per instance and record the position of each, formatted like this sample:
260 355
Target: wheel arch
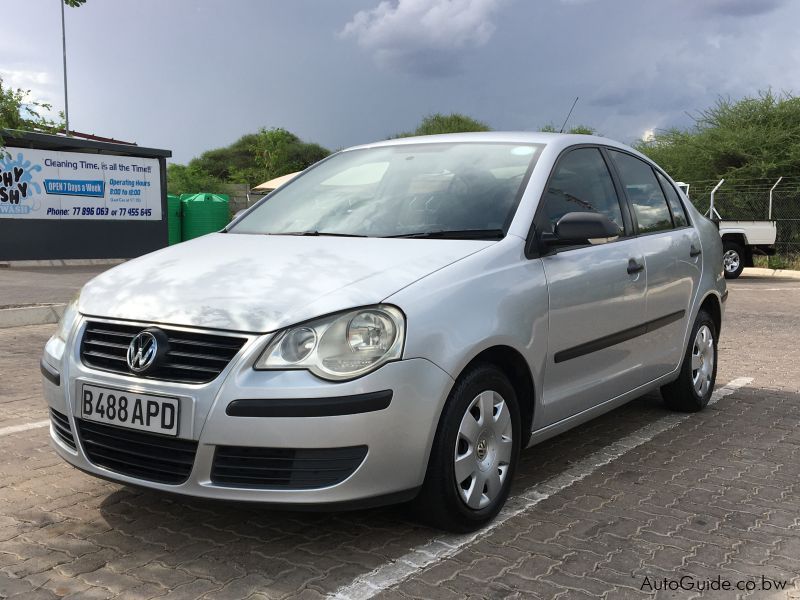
516 368
740 238
712 305
735 236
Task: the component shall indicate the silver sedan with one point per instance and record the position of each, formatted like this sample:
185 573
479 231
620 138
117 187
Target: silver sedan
397 323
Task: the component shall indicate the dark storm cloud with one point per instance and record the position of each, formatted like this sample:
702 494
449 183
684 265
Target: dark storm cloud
428 38
421 62
741 8
191 75
629 101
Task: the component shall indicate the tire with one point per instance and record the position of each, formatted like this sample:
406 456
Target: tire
692 390
733 258
487 453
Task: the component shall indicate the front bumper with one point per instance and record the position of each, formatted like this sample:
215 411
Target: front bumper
398 437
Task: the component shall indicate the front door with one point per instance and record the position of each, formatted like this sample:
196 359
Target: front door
596 294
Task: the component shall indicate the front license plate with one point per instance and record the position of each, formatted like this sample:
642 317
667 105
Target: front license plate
133 410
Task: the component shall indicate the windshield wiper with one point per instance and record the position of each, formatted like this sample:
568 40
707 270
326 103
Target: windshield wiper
456 234
315 232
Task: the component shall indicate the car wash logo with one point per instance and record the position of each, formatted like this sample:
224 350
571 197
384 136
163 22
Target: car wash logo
17 186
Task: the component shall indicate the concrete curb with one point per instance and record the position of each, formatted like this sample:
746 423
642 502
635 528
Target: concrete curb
761 272
41 314
66 262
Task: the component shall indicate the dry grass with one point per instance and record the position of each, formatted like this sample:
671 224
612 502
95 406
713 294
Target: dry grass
779 261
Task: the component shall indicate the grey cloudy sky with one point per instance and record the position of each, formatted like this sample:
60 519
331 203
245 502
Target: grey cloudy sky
191 75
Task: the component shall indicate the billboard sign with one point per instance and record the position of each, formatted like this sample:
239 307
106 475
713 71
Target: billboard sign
48 184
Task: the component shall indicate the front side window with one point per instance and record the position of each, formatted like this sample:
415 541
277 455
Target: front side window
581 182
401 190
644 192
678 212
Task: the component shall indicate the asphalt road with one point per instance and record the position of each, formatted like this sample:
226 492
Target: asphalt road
22 286
635 501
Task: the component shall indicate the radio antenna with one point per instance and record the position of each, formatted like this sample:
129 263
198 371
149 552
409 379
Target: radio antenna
569 114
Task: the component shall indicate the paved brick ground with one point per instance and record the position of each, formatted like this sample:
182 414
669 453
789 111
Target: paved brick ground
717 495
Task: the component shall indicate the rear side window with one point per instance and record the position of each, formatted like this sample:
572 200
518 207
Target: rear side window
678 212
580 183
644 192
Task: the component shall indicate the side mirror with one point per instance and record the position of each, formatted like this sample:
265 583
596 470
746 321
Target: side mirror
581 227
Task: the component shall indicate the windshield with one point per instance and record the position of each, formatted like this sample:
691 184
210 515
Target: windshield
415 190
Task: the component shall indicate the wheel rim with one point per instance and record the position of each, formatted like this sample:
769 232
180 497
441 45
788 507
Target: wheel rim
703 357
731 261
483 450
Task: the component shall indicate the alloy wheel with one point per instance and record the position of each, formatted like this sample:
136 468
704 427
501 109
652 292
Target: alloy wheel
731 261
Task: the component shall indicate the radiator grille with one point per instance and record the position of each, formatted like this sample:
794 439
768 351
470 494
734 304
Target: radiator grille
191 357
137 453
284 468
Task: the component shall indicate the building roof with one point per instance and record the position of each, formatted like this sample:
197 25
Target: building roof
273 184
45 141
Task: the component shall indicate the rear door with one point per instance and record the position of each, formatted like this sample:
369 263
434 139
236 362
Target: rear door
672 257
596 304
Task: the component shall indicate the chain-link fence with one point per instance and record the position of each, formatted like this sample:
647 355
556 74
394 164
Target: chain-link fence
750 201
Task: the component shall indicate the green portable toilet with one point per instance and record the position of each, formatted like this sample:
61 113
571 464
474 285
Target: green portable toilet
203 213
173 218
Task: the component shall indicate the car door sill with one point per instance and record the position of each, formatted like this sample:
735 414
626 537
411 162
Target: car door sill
563 425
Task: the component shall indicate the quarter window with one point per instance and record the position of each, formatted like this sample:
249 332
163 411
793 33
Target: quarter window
678 212
580 183
644 192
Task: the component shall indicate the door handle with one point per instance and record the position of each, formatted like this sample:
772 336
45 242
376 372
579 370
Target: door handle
694 251
634 267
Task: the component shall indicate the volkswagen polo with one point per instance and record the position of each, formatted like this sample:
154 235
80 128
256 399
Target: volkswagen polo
396 323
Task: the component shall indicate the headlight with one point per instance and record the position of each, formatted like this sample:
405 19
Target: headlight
341 346
67 320
56 344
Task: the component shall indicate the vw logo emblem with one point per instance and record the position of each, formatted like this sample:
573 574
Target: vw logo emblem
142 352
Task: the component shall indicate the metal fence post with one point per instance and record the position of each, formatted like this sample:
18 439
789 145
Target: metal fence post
711 210
772 189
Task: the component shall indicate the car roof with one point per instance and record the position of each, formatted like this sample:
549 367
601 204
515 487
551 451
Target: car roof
556 141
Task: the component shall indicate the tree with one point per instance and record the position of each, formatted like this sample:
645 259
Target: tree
279 152
582 129
258 157
252 159
19 112
190 179
440 123
754 137
235 163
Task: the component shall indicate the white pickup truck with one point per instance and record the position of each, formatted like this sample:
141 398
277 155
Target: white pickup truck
741 240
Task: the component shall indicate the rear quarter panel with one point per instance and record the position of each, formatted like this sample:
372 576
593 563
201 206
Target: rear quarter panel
712 278
756 233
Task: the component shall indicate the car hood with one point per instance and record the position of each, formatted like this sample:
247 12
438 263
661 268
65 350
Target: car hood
260 283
